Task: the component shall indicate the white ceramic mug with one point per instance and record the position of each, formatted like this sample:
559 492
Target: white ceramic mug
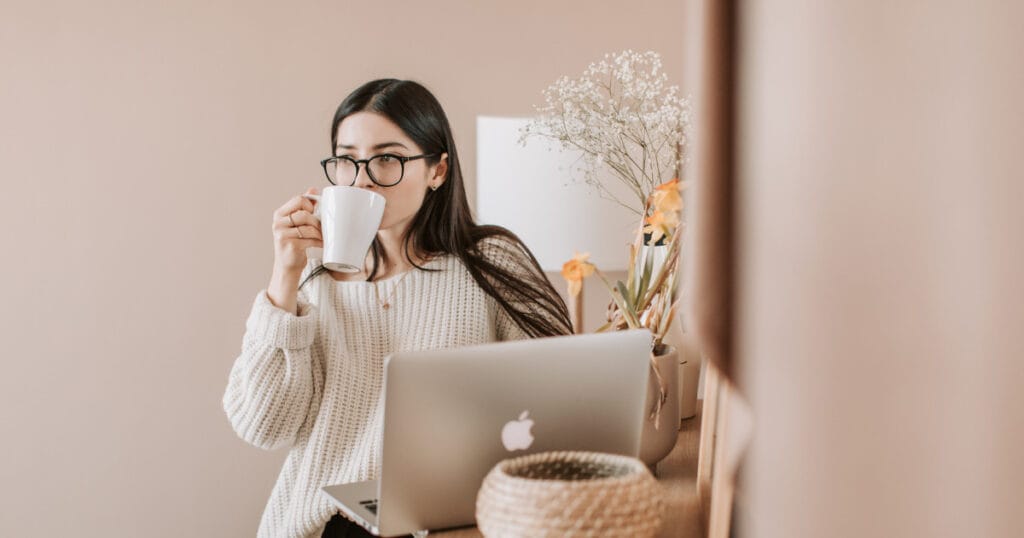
349 219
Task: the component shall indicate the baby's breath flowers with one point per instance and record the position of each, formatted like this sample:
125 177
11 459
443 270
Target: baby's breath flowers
624 118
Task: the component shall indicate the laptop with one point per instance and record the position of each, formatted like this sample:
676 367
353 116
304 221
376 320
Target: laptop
451 415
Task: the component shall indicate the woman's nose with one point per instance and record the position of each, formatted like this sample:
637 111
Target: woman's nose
363 177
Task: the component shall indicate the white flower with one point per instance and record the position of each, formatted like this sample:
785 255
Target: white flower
624 117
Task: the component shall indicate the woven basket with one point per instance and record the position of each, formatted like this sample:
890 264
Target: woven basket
569 494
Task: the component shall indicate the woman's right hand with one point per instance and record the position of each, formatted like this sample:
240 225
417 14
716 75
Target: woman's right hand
295 229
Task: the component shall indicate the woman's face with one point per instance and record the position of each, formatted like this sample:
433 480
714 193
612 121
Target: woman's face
366 134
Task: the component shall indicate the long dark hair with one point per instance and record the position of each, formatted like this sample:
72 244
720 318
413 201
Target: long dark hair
444 225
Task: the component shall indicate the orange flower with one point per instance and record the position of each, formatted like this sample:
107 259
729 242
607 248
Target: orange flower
575 270
666 196
660 223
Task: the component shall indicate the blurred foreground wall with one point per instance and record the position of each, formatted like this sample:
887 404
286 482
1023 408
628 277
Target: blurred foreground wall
880 257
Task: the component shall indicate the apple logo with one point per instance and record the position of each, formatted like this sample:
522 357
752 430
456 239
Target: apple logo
516 433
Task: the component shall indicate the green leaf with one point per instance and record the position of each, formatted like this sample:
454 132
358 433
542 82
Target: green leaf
645 280
626 296
625 308
631 275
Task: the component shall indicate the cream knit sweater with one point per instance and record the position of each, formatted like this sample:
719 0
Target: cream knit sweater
312 382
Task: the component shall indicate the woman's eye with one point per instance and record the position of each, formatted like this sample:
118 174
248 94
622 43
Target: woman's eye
388 158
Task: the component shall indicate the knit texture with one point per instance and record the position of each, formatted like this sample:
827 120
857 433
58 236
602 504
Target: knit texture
312 382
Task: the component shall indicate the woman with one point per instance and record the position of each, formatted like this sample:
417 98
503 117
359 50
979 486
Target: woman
310 372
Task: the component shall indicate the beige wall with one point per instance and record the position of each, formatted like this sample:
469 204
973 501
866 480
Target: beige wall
880 262
144 148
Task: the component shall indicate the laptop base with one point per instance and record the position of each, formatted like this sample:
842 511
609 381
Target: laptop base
351 499
358 500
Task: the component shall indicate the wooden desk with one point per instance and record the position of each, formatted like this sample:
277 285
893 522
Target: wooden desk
677 475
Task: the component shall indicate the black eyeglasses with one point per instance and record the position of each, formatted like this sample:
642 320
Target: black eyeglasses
385 170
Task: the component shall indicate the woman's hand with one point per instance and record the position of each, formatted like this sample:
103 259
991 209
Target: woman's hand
295 229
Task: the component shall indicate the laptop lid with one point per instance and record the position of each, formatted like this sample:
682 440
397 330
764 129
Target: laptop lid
451 415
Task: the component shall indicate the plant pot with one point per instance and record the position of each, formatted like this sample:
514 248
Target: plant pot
661 426
689 376
689 367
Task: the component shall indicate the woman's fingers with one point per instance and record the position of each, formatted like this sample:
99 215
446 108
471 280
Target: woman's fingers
297 219
302 232
307 226
301 218
309 232
299 237
296 203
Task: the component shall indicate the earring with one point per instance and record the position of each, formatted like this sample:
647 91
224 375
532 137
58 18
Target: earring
434 187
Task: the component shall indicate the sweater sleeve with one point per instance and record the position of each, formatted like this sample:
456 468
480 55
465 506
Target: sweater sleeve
270 386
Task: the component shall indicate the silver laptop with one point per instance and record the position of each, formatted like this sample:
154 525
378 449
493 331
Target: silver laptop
451 415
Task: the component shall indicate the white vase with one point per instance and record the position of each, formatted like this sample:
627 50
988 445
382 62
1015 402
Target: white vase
689 367
689 377
661 432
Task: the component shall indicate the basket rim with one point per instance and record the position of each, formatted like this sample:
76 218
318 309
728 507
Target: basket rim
638 470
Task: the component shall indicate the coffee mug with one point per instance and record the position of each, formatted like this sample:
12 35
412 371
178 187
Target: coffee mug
349 219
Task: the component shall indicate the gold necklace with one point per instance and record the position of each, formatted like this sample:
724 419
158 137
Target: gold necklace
387 304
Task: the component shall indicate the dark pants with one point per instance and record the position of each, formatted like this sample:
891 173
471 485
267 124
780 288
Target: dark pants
340 527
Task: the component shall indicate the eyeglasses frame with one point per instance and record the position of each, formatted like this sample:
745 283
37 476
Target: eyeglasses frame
366 162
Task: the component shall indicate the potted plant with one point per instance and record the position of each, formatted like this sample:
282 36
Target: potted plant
630 126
